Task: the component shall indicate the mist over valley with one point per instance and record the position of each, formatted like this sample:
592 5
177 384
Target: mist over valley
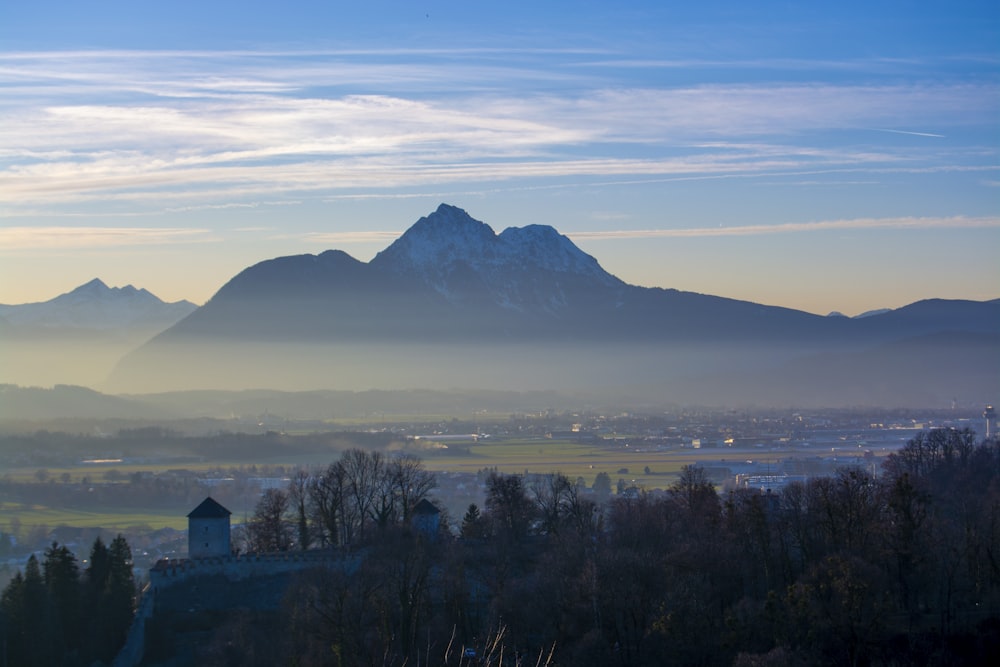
453 305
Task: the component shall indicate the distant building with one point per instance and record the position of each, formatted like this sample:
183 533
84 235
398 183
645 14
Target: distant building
208 530
426 518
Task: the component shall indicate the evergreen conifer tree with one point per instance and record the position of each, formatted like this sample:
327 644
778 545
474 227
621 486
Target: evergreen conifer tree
62 583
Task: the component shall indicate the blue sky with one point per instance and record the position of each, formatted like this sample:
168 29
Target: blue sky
821 157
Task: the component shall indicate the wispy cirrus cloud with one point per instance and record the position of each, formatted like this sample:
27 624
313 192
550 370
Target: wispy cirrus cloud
128 180
34 238
910 133
203 128
232 205
906 223
349 237
858 224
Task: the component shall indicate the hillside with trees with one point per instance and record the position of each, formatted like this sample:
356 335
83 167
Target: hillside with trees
902 568
55 614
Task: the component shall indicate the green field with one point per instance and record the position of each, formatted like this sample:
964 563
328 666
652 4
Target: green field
539 455
111 518
535 455
585 460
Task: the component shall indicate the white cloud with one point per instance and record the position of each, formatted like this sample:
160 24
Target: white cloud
911 133
348 238
216 207
957 222
201 128
33 238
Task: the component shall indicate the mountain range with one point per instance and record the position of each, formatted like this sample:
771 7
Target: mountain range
451 304
94 306
77 337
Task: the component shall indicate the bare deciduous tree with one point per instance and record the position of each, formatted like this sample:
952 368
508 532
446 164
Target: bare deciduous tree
326 499
362 471
298 498
268 529
510 509
410 482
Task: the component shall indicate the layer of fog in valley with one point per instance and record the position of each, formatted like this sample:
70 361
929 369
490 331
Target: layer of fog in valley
930 371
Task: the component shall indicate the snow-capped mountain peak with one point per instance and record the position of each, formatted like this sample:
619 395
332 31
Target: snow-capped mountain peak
544 247
447 235
450 238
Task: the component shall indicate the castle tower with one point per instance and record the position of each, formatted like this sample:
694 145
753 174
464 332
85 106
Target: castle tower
426 518
208 530
990 415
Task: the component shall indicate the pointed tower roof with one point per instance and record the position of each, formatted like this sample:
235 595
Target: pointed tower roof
425 507
209 509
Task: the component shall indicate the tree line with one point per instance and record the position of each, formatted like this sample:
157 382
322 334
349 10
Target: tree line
338 505
857 569
54 614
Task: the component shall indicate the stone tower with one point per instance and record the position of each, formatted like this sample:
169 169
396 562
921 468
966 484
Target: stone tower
426 518
208 530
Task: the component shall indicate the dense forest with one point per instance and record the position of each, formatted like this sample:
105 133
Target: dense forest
52 614
902 568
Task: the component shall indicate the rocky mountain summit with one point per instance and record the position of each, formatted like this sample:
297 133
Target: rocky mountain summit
448 247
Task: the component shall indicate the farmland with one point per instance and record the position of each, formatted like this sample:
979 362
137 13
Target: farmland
122 475
153 492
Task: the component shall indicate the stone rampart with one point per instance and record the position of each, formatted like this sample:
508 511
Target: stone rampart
238 567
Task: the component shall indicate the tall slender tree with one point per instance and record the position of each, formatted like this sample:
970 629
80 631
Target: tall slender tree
35 612
363 472
119 593
109 598
95 583
298 498
326 498
62 582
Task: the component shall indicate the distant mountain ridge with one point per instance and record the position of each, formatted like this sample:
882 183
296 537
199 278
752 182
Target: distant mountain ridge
77 337
451 303
94 305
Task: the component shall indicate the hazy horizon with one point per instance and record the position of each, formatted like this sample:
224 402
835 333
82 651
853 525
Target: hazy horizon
892 306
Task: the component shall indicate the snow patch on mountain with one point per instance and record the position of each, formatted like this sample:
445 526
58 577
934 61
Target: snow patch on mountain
447 236
454 252
541 246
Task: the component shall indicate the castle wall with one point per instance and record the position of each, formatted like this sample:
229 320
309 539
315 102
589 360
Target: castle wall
238 568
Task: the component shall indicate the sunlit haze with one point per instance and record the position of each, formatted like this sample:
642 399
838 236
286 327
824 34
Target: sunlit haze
828 157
